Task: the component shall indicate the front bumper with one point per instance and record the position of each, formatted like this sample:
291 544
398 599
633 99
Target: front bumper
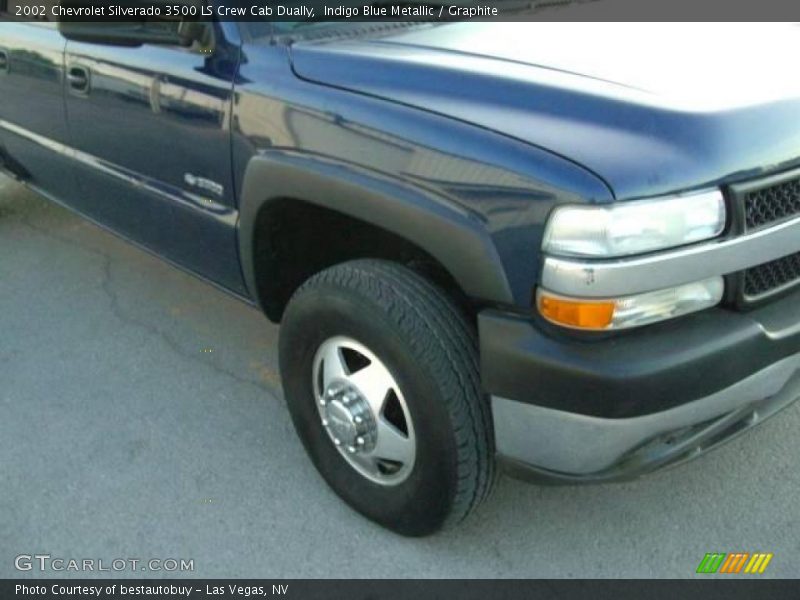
597 410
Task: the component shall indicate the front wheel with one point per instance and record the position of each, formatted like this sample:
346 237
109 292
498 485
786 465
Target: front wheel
380 372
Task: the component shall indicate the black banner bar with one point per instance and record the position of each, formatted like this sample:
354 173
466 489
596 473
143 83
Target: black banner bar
707 589
400 10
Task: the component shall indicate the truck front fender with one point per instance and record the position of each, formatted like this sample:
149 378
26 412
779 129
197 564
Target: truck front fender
456 238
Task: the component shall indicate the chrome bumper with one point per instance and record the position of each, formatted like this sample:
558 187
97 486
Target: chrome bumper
543 443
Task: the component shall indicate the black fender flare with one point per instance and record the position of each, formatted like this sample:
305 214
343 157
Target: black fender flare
450 234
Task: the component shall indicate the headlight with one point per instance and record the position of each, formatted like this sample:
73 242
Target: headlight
630 311
634 227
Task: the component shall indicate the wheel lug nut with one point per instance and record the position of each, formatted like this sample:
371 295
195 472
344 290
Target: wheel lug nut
322 401
360 441
351 449
358 420
325 422
337 441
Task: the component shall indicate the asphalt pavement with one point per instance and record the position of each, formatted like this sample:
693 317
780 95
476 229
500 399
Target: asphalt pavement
141 416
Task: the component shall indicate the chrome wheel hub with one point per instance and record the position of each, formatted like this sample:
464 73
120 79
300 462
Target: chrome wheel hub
348 418
364 411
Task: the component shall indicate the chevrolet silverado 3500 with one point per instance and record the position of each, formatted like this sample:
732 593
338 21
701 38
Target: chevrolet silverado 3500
568 250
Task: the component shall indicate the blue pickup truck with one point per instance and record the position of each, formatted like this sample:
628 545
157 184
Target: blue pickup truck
564 251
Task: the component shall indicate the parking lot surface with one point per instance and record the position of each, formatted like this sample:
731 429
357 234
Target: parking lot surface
141 416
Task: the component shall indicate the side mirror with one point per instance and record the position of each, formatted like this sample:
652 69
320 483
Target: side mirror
168 31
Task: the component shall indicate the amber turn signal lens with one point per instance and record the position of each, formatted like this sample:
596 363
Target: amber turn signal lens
578 314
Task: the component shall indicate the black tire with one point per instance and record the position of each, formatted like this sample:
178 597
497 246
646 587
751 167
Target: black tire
431 350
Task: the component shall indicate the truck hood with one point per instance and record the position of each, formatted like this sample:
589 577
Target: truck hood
649 108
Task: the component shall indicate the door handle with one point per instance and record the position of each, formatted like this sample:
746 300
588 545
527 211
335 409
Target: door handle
78 79
3 60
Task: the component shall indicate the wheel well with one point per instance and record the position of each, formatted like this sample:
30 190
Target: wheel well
293 240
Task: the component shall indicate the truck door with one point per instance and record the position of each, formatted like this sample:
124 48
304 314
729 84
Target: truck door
151 124
34 141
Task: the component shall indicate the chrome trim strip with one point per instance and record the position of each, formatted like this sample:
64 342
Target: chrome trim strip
615 278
